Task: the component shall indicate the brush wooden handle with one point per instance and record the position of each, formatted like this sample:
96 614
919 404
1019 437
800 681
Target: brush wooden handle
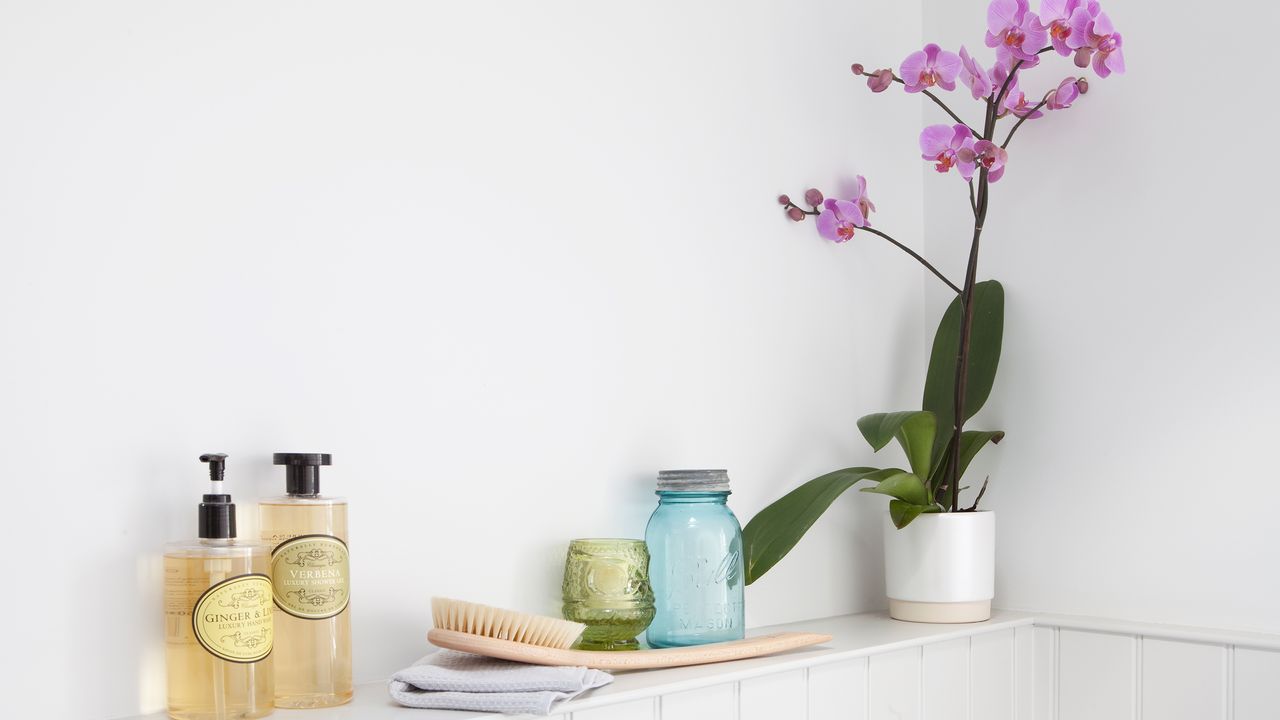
624 659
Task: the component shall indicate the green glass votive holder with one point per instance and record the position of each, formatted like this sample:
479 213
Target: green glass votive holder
606 588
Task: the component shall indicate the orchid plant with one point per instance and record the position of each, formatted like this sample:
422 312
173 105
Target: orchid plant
966 348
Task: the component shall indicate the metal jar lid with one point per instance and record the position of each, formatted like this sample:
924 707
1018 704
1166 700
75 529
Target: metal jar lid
693 481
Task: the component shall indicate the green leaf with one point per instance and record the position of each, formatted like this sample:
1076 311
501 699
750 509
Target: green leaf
937 476
903 486
972 441
984 357
776 529
902 513
914 430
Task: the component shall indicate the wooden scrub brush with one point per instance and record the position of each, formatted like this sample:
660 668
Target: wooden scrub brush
539 640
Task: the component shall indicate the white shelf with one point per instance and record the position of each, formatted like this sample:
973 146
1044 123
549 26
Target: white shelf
853 636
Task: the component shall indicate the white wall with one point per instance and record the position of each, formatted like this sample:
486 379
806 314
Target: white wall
503 260
1134 236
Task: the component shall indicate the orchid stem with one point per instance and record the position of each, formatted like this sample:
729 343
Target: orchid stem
900 246
943 105
1013 72
938 102
1021 119
973 203
915 255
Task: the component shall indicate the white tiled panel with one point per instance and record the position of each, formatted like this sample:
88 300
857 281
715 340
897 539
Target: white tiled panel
1024 653
991 678
838 691
1096 676
945 685
1257 684
645 709
717 702
772 697
895 685
1184 681
1044 673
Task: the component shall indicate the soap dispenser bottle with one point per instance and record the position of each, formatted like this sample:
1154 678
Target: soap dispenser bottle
309 575
218 616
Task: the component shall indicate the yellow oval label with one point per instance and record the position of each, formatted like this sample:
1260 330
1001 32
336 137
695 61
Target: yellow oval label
233 619
309 576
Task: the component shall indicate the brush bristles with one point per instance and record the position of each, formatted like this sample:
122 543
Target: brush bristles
486 621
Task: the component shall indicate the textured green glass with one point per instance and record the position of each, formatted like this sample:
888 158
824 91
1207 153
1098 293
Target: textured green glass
606 587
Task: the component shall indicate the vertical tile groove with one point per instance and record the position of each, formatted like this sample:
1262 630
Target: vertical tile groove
1137 677
805 684
1229 684
1057 673
968 668
1013 677
866 686
921 690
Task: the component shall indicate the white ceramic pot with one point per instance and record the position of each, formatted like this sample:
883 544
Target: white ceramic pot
941 567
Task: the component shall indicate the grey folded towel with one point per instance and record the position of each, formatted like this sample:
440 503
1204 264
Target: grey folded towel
450 680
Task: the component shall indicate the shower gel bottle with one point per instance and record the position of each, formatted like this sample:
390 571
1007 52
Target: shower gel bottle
309 578
218 618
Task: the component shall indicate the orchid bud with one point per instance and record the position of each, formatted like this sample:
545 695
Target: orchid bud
795 213
857 68
880 81
813 197
1082 85
784 200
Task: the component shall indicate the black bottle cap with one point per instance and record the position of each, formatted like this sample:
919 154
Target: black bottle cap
217 512
302 471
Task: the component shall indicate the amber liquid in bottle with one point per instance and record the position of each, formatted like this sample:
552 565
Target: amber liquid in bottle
201 685
312 621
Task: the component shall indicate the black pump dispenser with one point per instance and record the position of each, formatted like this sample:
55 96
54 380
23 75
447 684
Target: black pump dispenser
302 471
217 512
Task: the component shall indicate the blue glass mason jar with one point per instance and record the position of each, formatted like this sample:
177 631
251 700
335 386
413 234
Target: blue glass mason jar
695 560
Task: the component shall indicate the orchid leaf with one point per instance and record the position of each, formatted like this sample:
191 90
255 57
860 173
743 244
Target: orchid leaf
972 441
904 486
776 529
984 357
914 430
938 476
902 513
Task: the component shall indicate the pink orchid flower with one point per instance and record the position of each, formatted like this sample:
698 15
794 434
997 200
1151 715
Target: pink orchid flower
1006 57
988 155
1096 38
880 80
974 76
839 220
1061 97
1015 102
931 66
1011 24
865 206
949 146
1056 16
